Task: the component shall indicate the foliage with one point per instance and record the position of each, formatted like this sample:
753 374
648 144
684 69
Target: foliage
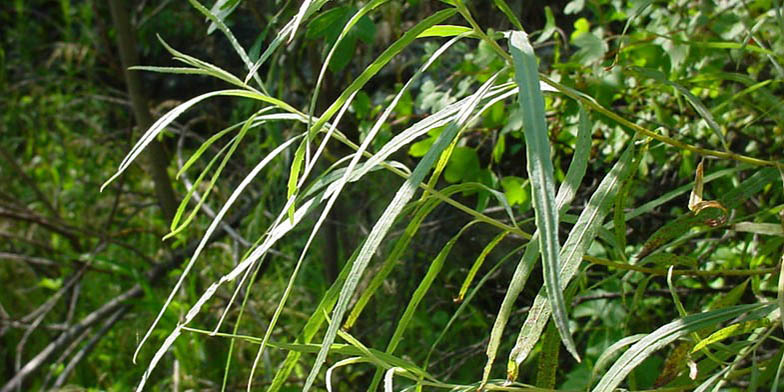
382 188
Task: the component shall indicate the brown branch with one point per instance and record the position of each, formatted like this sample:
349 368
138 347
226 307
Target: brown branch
154 275
155 152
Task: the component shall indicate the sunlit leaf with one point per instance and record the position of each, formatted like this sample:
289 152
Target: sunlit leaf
540 173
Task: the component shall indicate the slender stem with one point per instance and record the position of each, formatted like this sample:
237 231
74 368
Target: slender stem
454 203
663 272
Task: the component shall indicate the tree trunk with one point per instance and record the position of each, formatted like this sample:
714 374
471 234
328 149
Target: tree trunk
155 154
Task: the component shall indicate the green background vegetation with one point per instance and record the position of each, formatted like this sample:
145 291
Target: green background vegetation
618 167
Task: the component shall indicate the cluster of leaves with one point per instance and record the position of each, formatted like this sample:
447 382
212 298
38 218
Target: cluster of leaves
658 123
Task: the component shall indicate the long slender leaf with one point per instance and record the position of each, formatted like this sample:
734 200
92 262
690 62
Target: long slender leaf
218 217
477 264
384 223
312 326
566 192
671 332
501 4
424 285
580 238
172 115
540 172
218 21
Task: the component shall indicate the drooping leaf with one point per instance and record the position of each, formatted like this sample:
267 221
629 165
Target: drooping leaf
384 223
566 193
540 173
670 332
501 4
580 238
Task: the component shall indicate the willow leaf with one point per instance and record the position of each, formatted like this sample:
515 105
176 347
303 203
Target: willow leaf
384 223
444 31
668 334
501 4
477 264
566 193
540 172
416 298
580 238
159 125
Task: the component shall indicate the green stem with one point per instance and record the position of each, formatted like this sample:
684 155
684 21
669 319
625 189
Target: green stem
663 272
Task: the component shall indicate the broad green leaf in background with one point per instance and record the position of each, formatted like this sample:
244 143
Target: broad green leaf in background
463 165
592 48
540 173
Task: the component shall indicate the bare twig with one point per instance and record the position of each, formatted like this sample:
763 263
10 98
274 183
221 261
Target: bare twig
79 356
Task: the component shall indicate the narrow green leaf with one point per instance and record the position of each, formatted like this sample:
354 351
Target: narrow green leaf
296 167
208 68
303 10
668 334
276 232
203 147
312 326
540 172
175 223
222 9
477 264
401 245
580 238
612 351
566 193
579 164
423 287
501 4
774 229
232 147
227 32
172 115
289 30
384 223
467 301
730 331
372 69
444 31
343 34
549 26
